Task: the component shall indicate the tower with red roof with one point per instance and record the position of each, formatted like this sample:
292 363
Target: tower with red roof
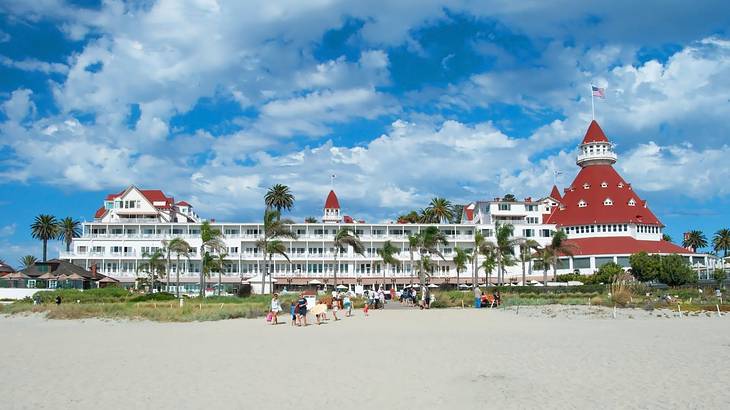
600 211
332 209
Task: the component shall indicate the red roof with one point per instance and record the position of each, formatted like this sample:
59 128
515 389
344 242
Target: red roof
594 134
622 245
183 203
100 212
555 194
348 219
588 187
332 202
469 213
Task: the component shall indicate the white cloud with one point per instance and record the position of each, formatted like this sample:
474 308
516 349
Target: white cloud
32 64
7 230
18 106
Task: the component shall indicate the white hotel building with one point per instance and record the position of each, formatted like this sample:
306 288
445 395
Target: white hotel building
602 215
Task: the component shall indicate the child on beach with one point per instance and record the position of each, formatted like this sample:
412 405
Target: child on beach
347 303
275 309
293 312
366 308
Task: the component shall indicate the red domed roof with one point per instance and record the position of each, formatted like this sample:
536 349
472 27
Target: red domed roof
592 187
594 134
622 245
332 202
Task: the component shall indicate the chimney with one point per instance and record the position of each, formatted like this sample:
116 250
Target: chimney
686 236
93 270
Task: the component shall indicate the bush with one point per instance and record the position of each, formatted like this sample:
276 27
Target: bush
575 276
606 273
105 295
160 296
719 276
645 267
675 271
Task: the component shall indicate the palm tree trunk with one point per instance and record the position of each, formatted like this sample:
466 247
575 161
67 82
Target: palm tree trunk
499 268
167 272
266 265
524 273
411 268
271 276
337 267
544 273
45 247
202 275
177 276
457 278
68 246
220 272
555 268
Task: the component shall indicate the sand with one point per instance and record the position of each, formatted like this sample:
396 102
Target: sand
540 358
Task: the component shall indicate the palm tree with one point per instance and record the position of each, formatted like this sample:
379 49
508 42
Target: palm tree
489 263
526 248
721 241
69 230
27 261
45 228
545 257
695 239
273 247
310 220
559 246
181 248
273 228
425 216
504 248
343 238
440 210
430 240
413 242
219 265
387 254
460 260
153 266
666 237
481 247
509 198
210 241
279 197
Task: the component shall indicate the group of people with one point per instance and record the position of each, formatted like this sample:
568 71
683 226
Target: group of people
483 299
299 310
409 297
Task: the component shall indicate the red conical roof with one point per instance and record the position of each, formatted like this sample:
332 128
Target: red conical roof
332 202
594 185
594 134
555 193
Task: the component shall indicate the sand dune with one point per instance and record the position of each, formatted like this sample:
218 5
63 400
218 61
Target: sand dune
561 358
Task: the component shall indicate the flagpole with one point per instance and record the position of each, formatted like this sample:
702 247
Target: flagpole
593 107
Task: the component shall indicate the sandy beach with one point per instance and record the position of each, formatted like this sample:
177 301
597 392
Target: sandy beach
554 358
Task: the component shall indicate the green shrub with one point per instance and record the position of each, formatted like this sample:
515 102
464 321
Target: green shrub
106 295
160 296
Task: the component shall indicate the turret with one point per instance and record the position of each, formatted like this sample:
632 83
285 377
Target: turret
595 149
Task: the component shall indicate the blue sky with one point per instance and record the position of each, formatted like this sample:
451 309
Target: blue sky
214 101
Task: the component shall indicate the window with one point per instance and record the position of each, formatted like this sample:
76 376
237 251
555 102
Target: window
632 202
586 185
607 202
604 184
545 233
528 233
582 204
532 220
52 284
531 208
620 184
31 283
505 207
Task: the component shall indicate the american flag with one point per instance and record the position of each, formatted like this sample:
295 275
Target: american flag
598 91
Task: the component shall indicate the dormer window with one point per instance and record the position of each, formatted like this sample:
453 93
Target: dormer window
604 184
586 185
582 204
607 202
632 202
620 184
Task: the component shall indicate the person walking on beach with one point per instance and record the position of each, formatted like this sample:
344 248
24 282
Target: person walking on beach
275 309
293 312
477 297
366 309
381 297
347 304
302 310
335 306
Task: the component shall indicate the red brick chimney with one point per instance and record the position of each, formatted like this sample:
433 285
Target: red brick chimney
93 270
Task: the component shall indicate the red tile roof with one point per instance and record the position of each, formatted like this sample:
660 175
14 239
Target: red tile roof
469 213
348 219
595 212
622 245
555 194
183 203
100 212
594 134
332 202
